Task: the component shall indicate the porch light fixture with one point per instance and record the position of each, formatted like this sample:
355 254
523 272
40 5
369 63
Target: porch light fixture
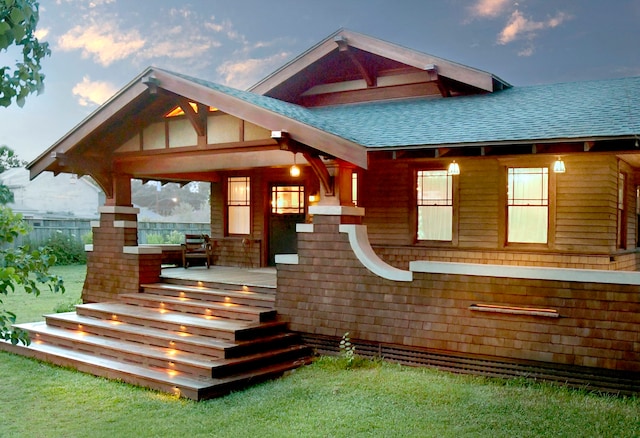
294 171
454 168
558 166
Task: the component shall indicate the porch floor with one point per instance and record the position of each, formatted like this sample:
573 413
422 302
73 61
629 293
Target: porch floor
258 277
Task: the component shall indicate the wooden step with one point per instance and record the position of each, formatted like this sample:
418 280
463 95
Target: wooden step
204 345
248 298
159 357
219 328
159 379
122 350
200 307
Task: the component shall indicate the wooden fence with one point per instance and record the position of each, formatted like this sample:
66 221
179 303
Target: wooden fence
79 230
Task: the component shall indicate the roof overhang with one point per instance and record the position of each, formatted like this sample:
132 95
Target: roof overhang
83 150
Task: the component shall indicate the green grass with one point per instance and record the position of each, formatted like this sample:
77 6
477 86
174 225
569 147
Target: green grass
324 399
29 308
320 400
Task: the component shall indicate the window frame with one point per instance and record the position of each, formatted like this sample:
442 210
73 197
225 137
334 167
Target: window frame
454 208
551 207
246 203
622 209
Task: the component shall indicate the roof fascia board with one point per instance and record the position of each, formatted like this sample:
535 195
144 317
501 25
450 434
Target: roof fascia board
295 66
92 122
317 138
501 143
453 70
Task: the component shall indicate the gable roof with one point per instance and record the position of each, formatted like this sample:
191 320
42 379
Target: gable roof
315 65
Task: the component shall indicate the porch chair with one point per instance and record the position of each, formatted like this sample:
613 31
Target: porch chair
197 246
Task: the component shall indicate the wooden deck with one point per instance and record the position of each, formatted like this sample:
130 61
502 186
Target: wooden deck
258 277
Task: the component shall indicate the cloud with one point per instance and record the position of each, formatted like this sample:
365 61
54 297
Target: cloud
489 8
41 33
519 25
104 42
91 93
242 74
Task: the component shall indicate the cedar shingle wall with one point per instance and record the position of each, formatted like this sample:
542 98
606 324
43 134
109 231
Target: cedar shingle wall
330 293
584 201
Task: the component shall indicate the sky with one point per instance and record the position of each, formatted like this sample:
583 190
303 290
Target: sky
99 46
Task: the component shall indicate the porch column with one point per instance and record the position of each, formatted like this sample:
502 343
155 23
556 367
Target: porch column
115 262
340 194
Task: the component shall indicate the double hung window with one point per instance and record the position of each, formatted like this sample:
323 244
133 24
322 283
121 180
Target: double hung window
435 205
528 205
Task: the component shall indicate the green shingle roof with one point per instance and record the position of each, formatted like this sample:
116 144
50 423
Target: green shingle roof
574 110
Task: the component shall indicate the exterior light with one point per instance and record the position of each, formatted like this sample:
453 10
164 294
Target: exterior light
454 168
558 166
294 171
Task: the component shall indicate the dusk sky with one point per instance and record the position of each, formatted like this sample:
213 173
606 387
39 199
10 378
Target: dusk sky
100 45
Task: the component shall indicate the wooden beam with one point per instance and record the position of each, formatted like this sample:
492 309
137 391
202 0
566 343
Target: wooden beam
321 171
196 121
343 47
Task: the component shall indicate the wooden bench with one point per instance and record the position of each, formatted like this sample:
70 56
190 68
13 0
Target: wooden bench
197 246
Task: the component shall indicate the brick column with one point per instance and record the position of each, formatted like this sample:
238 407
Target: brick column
115 262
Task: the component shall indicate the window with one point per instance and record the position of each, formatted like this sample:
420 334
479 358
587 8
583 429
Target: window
435 205
287 199
622 211
528 205
354 188
238 205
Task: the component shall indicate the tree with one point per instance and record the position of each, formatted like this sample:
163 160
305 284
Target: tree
18 21
20 266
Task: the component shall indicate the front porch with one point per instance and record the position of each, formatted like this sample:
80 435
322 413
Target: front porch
250 277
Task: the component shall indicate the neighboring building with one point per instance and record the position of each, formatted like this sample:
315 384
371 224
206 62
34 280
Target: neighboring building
438 207
49 196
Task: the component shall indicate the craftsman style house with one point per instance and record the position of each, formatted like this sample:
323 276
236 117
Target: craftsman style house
429 208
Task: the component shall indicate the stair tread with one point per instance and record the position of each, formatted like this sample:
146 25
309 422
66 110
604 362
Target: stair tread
199 303
125 327
212 291
124 346
169 316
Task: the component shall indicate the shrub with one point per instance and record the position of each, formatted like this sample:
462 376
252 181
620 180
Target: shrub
66 249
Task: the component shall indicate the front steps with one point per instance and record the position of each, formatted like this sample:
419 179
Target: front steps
194 341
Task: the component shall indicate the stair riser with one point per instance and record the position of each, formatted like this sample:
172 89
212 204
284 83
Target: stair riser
258 346
213 352
230 313
214 297
124 356
242 366
187 330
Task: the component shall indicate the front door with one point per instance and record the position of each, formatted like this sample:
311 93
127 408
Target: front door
287 210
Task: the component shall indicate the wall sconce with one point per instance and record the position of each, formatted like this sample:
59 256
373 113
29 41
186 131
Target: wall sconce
558 166
454 168
294 171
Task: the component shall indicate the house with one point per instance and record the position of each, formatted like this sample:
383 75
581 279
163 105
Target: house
52 196
437 209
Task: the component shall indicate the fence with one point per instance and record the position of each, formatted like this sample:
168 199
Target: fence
79 229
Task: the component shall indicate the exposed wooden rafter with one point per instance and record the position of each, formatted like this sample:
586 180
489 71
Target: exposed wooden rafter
343 47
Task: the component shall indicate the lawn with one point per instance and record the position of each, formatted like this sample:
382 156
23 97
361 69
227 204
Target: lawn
323 399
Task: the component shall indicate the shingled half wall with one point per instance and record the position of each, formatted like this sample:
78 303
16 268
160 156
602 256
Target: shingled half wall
115 262
573 317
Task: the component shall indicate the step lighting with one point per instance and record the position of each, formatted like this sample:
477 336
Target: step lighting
176 391
172 373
